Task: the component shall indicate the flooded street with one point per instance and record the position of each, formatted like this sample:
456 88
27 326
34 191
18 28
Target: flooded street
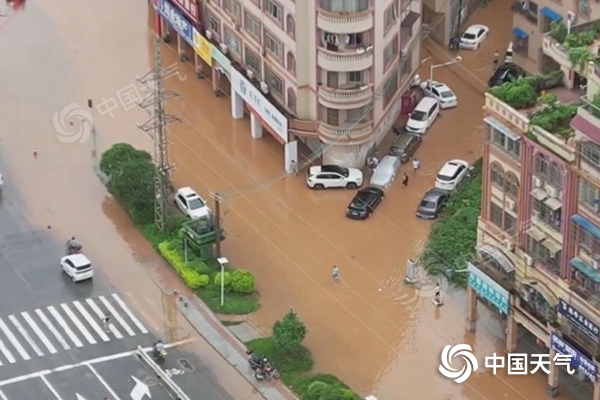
371 330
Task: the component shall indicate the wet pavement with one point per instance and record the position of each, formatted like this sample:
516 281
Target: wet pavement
370 330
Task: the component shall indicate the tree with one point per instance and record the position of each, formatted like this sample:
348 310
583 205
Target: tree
288 334
113 159
133 187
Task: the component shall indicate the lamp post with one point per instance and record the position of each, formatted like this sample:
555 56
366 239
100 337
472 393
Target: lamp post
222 261
456 60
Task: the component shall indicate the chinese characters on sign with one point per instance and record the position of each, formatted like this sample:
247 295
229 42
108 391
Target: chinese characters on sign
580 362
177 21
189 8
203 48
517 363
577 318
488 289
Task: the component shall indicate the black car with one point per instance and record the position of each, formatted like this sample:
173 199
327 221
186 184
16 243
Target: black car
432 203
505 73
364 203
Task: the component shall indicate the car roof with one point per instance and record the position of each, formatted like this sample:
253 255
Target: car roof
78 259
475 28
370 189
187 192
450 167
433 194
425 103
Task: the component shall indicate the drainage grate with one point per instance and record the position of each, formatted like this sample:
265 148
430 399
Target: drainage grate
185 364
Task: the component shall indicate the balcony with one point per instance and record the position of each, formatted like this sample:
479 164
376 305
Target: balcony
346 98
562 54
344 23
351 133
525 12
303 128
346 61
585 279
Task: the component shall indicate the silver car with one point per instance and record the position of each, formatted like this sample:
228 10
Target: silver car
386 172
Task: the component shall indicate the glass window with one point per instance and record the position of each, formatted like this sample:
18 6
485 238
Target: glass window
511 185
555 175
214 24
273 45
291 63
233 8
276 84
233 42
358 115
273 9
510 224
390 52
345 6
541 165
354 76
497 176
496 215
589 196
252 26
504 143
390 89
390 16
252 61
591 153
290 25
291 100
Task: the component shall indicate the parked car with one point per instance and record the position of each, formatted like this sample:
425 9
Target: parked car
423 116
405 146
191 204
386 171
77 267
364 203
451 174
1 182
333 176
472 38
432 203
441 93
504 74
508 56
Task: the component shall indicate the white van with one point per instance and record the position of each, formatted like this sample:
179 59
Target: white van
423 115
386 171
508 57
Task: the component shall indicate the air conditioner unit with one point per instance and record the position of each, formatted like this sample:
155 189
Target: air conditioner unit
571 17
552 191
508 245
224 48
208 34
250 73
264 87
528 260
537 182
404 52
511 205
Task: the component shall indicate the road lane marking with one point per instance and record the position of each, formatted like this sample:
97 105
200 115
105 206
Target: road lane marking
25 335
14 341
137 323
103 382
39 332
52 329
118 317
91 321
63 324
54 392
3 396
101 316
78 324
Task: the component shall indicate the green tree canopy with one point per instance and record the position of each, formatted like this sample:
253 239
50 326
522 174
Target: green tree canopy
113 159
133 187
288 334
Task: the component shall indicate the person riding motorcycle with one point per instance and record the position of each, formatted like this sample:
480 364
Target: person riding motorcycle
159 349
72 246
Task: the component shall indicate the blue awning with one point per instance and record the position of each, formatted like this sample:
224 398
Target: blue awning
586 224
585 269
520 33
551 14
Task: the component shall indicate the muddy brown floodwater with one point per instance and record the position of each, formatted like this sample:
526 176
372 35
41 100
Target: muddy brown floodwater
372 331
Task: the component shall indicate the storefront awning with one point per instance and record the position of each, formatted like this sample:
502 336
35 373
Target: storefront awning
586 224
553 203
536 234
553 246
520 33
551 14
497 255
542 289
539 194
585 269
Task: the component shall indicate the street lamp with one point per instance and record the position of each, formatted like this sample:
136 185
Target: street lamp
456 60
222 262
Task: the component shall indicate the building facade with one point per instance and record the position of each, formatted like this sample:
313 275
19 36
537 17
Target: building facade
335 69
539 233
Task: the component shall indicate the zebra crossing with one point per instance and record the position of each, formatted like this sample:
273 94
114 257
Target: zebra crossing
47 330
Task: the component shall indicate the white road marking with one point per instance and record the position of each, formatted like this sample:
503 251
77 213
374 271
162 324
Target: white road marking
14 341
3 396
90 320
25 335
6 353
54 392
65 327
52 329
88 336
101 316
137 323
117 316
39 332
103 382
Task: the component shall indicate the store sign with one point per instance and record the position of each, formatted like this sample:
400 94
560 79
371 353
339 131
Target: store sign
177 21
578 319
579 362
488 289
189 8
259 103
222 59
203 48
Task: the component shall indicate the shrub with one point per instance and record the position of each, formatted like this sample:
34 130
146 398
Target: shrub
242 281
113 159
194 273
226 279
288 334
315 389
194 280
133 187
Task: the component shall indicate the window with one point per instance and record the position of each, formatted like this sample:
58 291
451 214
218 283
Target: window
291 100
497 175
252 26
252 61
589 196
544 257
232 41
276 84
333 117
233 8
273 45
290 25
291 63
510 224
586 241
511 187
496 215
358 115
390 52
390 16
502 142
541 165
583 6
354 77
521 46
390 89
214 25
273 9
555 175
550 216
590 152
406 65
345 6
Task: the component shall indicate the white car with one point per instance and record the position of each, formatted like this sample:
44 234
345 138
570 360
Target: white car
1 181
451 174
191 204
441 92
473 37
333 176
77 267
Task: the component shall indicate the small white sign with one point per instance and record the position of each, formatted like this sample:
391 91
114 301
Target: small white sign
259 103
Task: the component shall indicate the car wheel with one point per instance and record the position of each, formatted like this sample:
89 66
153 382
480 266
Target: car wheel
319 186
73 279
351 185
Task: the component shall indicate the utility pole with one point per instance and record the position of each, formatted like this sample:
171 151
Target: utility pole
156 126
90 105
217 198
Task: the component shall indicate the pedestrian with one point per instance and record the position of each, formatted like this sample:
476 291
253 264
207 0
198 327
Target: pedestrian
35 153
405 179
106 324
496 59
294 167
335 274
437 298
416 165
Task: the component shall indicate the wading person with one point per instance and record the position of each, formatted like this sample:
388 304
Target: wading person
405 180
335 274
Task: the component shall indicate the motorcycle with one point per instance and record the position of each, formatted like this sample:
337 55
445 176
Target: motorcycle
72 248
160 355
255 361
266 372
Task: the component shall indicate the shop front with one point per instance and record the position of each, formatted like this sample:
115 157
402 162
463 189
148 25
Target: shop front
221 72
579 329
482 286
263 116
171 19
585 369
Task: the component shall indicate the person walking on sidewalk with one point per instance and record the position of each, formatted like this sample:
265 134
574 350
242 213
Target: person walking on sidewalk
405 180
496 59
416 165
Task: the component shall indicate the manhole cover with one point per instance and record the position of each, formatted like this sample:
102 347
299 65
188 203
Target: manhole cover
185 364
150 381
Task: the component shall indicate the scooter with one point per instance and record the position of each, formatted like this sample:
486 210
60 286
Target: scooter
72 248
160 356
266 372
255 361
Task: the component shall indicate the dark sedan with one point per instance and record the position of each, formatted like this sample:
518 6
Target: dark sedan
432 203
504 74
364 203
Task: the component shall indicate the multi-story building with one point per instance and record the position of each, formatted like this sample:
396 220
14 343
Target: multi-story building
539 232
337 67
